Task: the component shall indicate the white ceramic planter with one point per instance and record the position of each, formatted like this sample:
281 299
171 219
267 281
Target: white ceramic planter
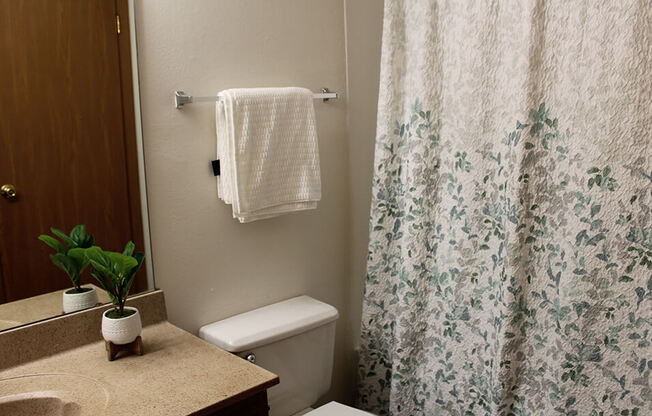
77 301
123 330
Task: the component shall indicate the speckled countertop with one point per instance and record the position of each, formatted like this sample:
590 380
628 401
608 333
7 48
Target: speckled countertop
179 374
39 307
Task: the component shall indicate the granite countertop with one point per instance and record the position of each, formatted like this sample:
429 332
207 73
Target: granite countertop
179 374
36 308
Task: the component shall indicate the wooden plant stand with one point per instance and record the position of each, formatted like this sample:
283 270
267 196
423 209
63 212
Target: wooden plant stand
134 347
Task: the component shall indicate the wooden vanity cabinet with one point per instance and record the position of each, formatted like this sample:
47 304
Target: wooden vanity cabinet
255 405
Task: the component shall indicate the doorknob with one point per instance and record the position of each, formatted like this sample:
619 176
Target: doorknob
8 191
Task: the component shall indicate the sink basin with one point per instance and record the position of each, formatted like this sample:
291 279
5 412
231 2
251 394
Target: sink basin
52 394
38 403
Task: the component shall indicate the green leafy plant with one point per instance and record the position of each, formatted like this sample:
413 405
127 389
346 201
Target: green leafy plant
115 272
69 255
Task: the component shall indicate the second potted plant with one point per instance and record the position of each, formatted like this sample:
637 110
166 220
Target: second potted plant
70 258
116 272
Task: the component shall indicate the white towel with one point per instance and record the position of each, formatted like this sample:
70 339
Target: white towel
267 147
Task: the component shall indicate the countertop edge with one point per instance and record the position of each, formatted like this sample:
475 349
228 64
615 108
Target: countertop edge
237 398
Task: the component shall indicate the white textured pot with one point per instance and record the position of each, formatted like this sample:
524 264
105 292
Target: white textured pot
123 330
77 301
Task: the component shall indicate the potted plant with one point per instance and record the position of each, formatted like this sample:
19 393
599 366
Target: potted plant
70 258
116 272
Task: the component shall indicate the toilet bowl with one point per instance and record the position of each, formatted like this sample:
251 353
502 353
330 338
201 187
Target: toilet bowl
294 339
336 409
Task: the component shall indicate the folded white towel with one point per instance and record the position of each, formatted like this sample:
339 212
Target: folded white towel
267 147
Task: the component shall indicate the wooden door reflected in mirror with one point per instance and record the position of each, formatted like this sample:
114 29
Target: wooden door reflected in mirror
68 136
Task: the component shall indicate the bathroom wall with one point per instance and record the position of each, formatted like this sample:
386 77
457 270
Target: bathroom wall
364 24
209 265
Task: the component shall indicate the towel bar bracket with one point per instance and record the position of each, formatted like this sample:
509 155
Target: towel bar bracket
327 94
180 97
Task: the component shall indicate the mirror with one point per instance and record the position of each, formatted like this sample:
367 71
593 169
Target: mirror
70 147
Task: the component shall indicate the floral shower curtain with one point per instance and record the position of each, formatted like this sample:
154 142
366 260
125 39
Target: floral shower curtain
510 253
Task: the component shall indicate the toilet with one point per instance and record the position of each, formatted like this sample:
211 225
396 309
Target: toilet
294 339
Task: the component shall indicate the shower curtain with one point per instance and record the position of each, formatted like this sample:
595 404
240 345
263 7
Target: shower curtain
510 256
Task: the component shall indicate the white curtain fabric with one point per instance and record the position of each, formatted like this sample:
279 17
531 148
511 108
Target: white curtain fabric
510 254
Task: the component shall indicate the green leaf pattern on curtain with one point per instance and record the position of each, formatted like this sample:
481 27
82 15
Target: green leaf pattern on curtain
510 279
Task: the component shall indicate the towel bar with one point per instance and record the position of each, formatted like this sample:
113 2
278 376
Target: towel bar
180 97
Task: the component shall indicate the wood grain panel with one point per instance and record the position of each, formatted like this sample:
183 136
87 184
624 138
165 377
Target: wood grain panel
63 136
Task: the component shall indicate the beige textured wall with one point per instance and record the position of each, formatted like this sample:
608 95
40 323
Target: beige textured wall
208 264
364 24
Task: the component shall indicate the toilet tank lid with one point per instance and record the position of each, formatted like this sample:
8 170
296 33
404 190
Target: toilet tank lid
268 324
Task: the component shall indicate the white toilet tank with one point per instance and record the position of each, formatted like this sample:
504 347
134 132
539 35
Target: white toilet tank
294 339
